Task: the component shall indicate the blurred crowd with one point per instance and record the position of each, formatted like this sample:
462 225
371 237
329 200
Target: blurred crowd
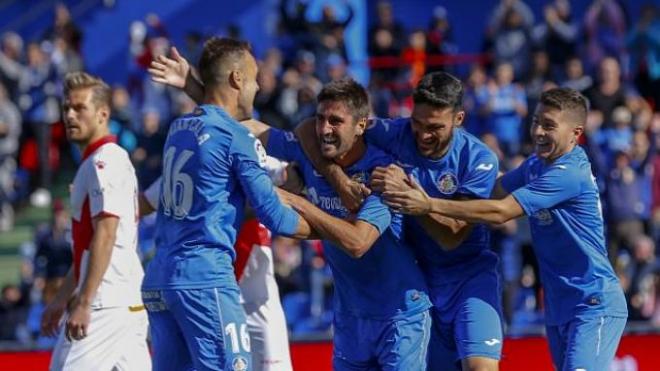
604 53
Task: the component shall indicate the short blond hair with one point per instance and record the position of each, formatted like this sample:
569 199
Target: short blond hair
101 92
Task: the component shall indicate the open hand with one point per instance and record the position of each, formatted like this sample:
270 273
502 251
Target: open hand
170 71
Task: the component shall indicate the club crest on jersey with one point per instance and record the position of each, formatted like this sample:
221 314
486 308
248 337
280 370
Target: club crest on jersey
447 183
360 177
543 217
239 364
261 153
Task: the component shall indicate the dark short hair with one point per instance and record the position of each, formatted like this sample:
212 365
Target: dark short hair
567 100
440 90
216 57
350 92
101 92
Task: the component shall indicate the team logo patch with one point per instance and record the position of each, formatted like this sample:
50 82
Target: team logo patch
239 364
261 153
360 177
447 183
543 217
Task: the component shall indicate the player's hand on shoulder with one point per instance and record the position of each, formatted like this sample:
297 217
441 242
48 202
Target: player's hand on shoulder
388 179
413 201
170 71
352 194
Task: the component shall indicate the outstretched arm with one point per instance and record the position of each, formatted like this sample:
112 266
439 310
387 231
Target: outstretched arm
177 72
355 238
415 201
352 193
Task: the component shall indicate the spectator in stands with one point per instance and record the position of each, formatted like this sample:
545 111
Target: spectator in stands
265 102
65 59
147 157
475 102
11 58
63 27
558 33
609 92
604 28
329 31
627 200
439 34
414 55
507 105
574 76
385 22
122 119
53 256
540 79
509 32
643 42
13 311
40 108
641 271
10 131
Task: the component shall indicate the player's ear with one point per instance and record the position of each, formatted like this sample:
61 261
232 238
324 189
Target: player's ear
236 79
103 114
577 131
459 117
362 125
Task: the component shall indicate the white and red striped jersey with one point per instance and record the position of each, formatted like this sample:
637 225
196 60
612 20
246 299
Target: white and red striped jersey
105 184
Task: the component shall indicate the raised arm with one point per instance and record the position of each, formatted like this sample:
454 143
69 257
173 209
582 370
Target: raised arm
177 72
352 193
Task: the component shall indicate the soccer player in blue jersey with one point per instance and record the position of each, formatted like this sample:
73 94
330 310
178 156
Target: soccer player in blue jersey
585 306
212 165
381 305
456 259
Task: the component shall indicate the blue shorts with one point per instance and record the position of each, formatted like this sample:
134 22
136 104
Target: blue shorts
468 324
368 344
585 343
204 329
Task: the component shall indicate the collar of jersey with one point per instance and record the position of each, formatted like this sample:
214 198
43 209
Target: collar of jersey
96 145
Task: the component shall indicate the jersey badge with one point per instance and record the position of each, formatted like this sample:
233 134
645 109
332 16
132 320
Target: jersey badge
447 183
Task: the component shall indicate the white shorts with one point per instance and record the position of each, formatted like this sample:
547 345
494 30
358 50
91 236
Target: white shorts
269 338
116 340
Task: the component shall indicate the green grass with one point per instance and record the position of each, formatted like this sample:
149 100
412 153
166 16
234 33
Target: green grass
27 221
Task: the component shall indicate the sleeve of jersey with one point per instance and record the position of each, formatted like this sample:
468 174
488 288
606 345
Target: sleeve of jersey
107 192
481 178
555 186
383 133
283 145
514 179
374 212
259 191
152 193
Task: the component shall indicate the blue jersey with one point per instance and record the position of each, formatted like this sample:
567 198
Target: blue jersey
469 169
562 202
211 165
386 281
